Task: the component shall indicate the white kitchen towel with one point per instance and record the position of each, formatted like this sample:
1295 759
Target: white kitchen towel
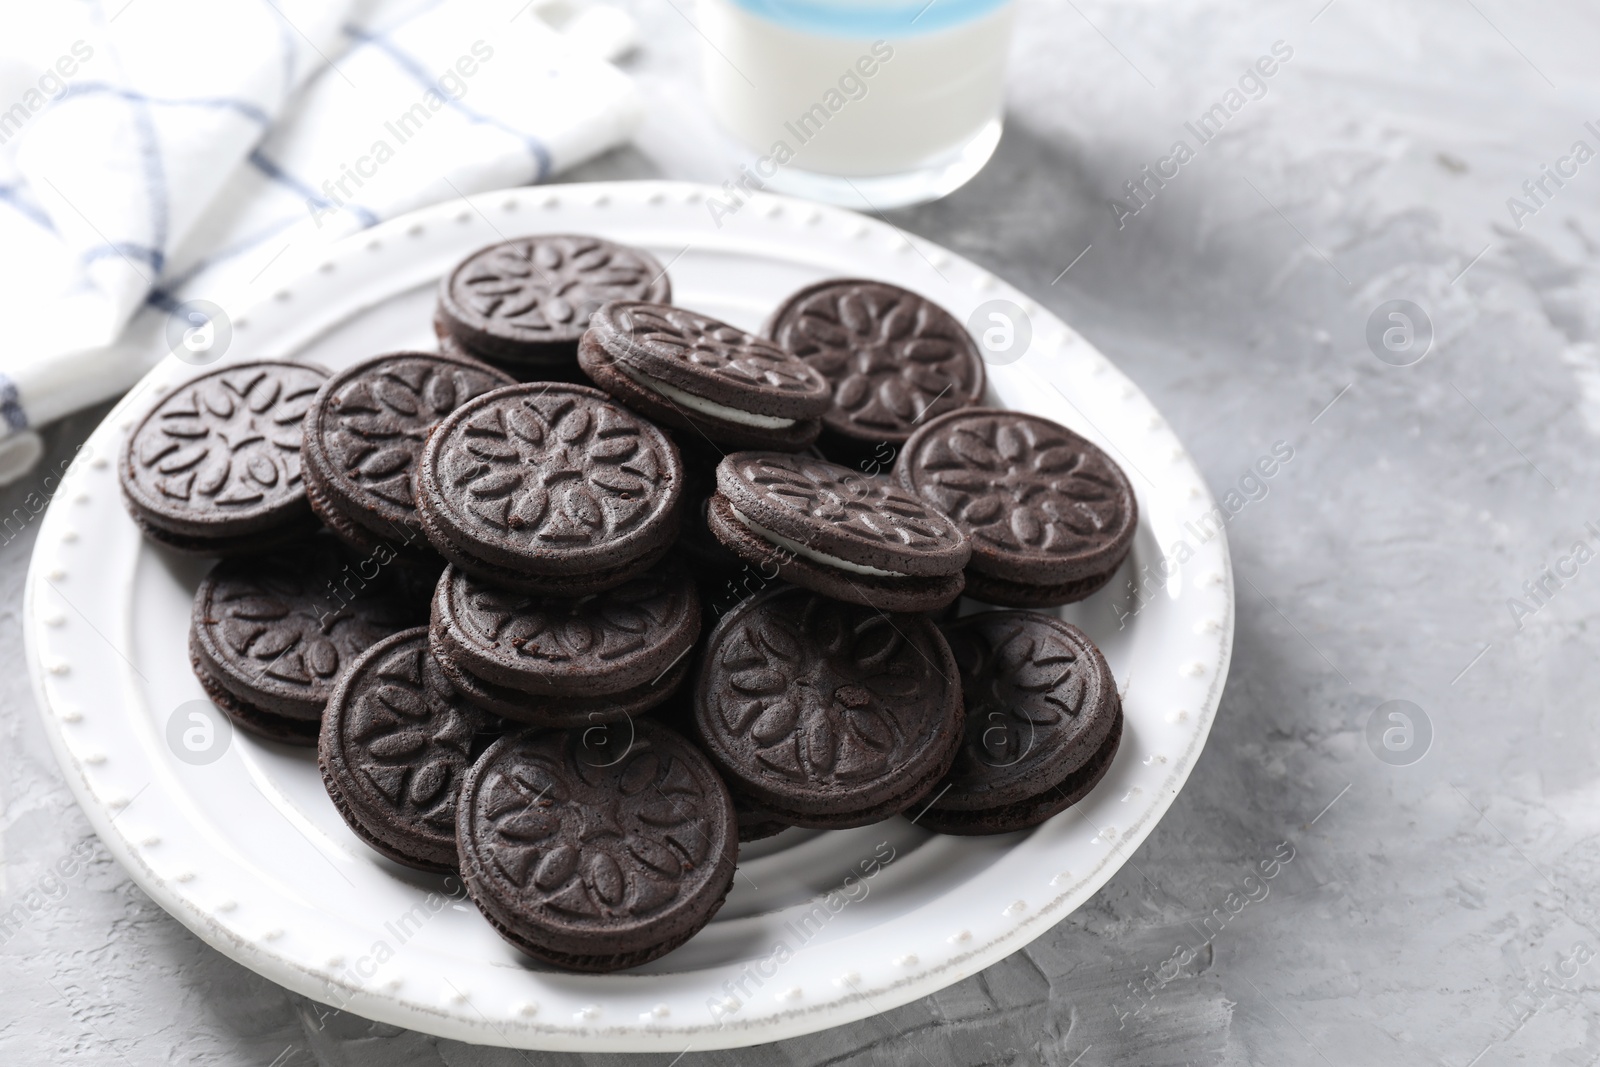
163 151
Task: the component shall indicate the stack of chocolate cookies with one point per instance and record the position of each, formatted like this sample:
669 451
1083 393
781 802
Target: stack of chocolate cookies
607 586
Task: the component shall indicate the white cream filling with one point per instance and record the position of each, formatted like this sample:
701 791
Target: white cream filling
810 553
702 405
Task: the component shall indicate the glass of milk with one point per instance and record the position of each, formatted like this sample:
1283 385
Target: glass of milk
866 103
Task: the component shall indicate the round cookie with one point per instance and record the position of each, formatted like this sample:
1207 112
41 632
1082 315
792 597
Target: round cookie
549 488
695 373
827 714
1040 701
893 358
524 303
1050 516
856 538
593 852
270 633
364 433
620 644
394 745
215 467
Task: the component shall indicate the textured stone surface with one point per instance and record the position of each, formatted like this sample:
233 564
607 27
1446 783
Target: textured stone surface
1419 910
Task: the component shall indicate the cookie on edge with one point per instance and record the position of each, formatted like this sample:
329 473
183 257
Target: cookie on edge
215 467
1050 516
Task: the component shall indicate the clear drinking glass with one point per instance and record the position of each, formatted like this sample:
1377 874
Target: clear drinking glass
876 103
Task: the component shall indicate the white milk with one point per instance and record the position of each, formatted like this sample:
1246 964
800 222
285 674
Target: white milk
904 105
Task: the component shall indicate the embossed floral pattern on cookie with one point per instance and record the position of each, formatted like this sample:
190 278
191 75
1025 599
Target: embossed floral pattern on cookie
594 832
226 444
556 467
1032 495
817 691
546 287
894 358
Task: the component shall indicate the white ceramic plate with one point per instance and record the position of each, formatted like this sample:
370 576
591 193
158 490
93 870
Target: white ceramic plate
248 852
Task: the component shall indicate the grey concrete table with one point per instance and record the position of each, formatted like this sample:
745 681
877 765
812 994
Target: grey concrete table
1440 910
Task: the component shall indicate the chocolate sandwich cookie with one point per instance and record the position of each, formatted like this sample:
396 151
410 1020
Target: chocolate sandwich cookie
395 743
694 373
270 633
894 359
549 488
1042 723
1050 516
215 467
363 436
595 852
523 304
844 534
827 714
562 661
